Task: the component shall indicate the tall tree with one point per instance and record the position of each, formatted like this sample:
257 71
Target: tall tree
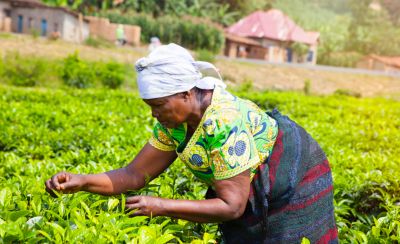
371 31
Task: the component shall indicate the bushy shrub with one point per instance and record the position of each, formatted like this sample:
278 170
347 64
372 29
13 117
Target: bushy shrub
35 33
111 75
205 55
246 85
307 87
76 72
188 33
20 71
340 59
345 92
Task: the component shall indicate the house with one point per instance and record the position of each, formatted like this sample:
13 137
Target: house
275 33
381 63
32 16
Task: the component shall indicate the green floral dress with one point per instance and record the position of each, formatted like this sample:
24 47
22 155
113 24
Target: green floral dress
234 135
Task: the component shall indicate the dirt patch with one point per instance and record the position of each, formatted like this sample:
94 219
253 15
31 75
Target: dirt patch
40 47
267 76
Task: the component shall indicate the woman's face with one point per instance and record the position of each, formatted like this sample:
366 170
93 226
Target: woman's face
170 111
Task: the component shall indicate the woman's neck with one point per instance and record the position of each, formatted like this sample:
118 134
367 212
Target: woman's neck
201 103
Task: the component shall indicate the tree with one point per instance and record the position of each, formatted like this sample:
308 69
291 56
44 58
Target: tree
372 31
300 49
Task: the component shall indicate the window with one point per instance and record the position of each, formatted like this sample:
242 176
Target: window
55 27
7 12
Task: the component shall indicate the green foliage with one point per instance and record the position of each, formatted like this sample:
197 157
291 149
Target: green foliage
247 7
72 71
217 11
77 73
44 131
346 27
245 86
35 33
307 87
205 55
372 31
19 71
191 34
342 59
111 74
5 35
300 49
344 92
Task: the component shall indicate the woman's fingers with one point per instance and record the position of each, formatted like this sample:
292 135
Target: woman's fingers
50 188
134 199
57 179
133 206
67 185
63 182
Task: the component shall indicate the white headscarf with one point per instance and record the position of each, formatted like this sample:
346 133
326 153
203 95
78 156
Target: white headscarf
170 69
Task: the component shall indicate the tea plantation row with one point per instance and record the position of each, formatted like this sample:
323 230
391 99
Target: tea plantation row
43 131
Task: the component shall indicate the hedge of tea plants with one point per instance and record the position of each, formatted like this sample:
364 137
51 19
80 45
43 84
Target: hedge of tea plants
43 131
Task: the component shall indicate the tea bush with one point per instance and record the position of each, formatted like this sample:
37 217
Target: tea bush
77 73
111 74
43 131
20 71
205 55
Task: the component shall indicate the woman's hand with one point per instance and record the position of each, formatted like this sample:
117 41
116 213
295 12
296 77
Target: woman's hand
145 205
65 182
132 177
230 203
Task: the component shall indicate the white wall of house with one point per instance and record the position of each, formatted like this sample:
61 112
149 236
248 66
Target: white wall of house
73 30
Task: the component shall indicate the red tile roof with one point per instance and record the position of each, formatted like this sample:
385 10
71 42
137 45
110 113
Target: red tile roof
272 25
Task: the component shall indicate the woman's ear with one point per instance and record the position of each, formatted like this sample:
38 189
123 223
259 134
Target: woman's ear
186 95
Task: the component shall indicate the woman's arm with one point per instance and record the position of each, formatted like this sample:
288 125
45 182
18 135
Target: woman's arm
230 203
148 164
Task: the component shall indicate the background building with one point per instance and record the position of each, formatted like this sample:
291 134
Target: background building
275 33
34 17
381 63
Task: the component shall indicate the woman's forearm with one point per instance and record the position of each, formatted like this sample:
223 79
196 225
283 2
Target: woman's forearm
203 211
112 182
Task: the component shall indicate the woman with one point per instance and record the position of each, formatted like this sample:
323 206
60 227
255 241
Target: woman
269 180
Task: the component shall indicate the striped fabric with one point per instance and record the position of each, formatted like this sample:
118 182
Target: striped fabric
291 195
